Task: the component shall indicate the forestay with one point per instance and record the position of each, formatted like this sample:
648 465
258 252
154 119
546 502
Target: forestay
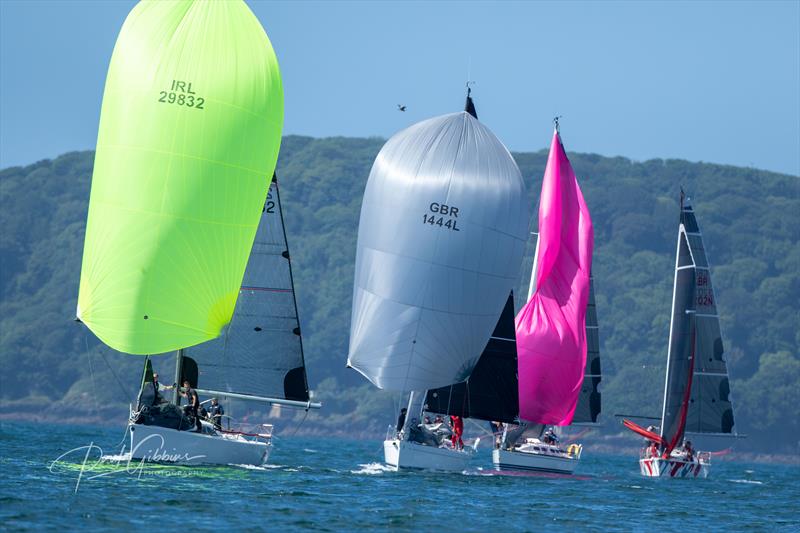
260 352
441 236
188 138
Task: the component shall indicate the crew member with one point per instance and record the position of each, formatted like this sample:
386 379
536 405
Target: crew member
497 432
401 420
215 411
458 430
687 448
156 394
194 403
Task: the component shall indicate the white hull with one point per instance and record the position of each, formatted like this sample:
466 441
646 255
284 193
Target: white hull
532 462
673 467
158 444
406 454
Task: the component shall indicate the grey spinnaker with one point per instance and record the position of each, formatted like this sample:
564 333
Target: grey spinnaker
260 352
710 409
589 400
441 235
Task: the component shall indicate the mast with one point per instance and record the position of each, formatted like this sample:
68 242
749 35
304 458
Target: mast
469 105
532 283
176 394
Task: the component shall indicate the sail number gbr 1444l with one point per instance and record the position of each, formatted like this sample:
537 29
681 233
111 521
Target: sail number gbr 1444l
442 215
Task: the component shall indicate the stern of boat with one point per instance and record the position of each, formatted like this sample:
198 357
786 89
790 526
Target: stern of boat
675 467
406 454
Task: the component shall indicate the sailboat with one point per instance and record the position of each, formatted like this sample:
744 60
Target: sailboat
697 387
188 140
556 331
442 231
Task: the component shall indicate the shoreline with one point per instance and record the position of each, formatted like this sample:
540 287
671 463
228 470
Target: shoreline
600 445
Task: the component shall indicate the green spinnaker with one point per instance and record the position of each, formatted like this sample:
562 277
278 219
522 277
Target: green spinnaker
189 135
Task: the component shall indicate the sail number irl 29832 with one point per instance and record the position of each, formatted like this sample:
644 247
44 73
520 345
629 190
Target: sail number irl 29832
444 216
181 93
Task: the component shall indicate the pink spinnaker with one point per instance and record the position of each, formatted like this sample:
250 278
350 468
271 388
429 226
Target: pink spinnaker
551 328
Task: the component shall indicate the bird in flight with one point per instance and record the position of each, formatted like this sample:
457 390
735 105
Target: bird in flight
401 107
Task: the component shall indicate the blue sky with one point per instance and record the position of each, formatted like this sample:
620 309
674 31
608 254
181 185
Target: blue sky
715 81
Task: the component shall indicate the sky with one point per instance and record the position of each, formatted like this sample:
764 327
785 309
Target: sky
703 81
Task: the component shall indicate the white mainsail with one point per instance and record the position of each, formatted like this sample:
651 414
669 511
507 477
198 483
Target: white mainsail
442 231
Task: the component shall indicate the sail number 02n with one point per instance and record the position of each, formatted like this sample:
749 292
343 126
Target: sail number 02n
444 216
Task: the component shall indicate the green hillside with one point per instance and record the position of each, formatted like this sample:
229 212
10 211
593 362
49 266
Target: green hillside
749 218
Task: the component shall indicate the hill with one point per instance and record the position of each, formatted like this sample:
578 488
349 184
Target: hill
52 368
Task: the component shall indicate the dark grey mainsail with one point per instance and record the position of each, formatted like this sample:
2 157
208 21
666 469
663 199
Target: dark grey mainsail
260 353
490 392
710 409
696 393
588 408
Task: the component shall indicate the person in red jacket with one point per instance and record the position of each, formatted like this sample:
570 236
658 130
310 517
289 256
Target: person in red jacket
458 430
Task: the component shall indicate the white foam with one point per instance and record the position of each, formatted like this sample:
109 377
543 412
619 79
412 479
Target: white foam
748 481
258 467
120 458
372 469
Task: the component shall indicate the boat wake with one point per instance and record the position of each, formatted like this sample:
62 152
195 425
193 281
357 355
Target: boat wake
119 458
747 481
372 469
265 468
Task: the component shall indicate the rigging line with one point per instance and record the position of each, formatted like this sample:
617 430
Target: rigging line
119 381
297 428
91 373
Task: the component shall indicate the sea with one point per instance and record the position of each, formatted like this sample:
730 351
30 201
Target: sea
51 479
